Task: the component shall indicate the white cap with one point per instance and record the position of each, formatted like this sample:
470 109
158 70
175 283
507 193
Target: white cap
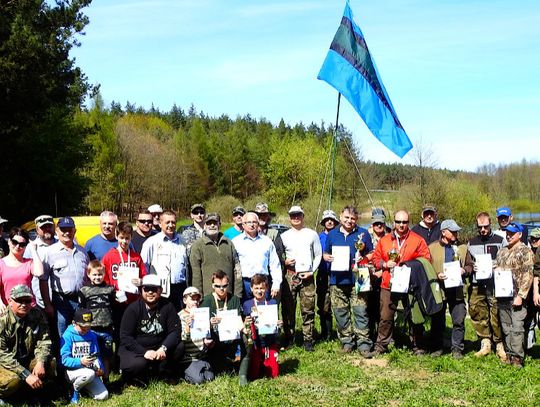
296 209
151 279
155 209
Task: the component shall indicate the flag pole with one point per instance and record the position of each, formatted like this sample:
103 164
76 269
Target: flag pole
334 150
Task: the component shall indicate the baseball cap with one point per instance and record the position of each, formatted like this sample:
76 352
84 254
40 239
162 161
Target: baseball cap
155 208
43 220
329 214
514 228
197 206
296 209
429 207
504 211
191 291
238 209
535 233
66 222
451 225
213 216
20 291
378 218
83 317
151 280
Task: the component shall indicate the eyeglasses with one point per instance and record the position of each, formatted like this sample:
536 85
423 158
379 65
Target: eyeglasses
251 222
17 243
480 227
151 288
378 224
237 214
147 221
534 239
23 300
198 212
401 222
221 287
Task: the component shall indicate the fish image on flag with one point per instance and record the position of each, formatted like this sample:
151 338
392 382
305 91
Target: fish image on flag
350 69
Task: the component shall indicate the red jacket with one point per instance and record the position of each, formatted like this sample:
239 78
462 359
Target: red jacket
112 261
412 247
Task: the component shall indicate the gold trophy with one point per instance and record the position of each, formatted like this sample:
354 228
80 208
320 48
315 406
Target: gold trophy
393 255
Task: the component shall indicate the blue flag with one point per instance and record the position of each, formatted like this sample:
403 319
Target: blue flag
350 69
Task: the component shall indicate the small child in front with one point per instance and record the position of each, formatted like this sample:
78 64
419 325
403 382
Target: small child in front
263 357
79 351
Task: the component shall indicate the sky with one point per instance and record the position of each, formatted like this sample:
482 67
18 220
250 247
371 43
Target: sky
462 75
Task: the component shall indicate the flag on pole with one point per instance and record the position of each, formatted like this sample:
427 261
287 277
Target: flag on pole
351 70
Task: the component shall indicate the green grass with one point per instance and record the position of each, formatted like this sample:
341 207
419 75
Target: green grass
325 377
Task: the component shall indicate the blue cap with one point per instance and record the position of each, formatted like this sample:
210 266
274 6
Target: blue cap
66 222
514 228
504 211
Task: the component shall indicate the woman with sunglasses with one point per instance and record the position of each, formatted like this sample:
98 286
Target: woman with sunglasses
14 268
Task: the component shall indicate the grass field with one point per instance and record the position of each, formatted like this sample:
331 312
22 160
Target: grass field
327 378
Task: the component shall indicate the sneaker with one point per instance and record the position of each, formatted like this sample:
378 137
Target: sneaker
308 346
347 348
75 397
436 353
456 354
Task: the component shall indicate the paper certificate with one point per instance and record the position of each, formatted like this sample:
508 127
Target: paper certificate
400 280
504 285
484 266
229 326
267 319
342 258
125 276
363 282
302 261
200 328
452 271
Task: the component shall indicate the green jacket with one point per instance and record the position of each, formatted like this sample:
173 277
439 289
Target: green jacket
33 330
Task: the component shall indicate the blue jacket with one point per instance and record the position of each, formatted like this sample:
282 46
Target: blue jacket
74 346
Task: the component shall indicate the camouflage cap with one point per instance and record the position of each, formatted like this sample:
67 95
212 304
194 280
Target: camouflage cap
20 291
535 233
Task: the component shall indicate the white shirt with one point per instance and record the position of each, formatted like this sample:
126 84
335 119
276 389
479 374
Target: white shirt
256 256
304 246
159 252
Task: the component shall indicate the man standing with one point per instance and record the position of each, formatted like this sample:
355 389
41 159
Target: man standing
64 268
302 257
213 251
345 301
156 212
149 335
165 255
45 238
519 259
100 244
409 246
192 232
429 227
329 222
483 307
257 255
235 229
144 230
447 251
25 346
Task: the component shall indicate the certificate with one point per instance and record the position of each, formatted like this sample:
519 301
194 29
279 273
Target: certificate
302 261
125 276
504 285
452 271
200 328
484 266
342 258
400 280
267 319
363 282
229 326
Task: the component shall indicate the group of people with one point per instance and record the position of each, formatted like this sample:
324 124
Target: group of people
131 298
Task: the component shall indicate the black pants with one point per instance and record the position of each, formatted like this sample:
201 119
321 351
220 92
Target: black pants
135 366
457 310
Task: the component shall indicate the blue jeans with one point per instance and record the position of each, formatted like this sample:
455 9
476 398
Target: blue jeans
64 310
105 342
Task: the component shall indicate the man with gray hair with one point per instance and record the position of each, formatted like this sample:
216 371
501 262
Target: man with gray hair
99 245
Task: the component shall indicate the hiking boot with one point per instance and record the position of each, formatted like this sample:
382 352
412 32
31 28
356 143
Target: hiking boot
501 353
75 397
456 354
485 348
308 346
516 361
347 348
366 354
436 353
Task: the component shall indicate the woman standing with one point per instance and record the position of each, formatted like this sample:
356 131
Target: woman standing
14 268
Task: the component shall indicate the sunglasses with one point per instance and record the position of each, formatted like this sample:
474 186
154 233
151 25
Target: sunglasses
401 222
534 239
23 300
377 224
480 227
150 288
222 287
147 221
198 212
17 243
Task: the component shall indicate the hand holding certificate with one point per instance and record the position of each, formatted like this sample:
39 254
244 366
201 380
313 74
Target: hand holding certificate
452 272
126 275
504 284
400 279
484 266
342 258
267 319
229 325
200 328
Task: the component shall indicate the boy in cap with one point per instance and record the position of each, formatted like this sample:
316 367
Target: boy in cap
197 370
79 350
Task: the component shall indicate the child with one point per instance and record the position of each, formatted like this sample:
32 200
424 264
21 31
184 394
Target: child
79 351
97 296
263 355
197 370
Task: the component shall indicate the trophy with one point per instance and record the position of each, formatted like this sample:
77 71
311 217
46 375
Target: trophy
393 255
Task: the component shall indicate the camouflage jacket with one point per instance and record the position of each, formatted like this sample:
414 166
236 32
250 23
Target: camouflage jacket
32 332
519 259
